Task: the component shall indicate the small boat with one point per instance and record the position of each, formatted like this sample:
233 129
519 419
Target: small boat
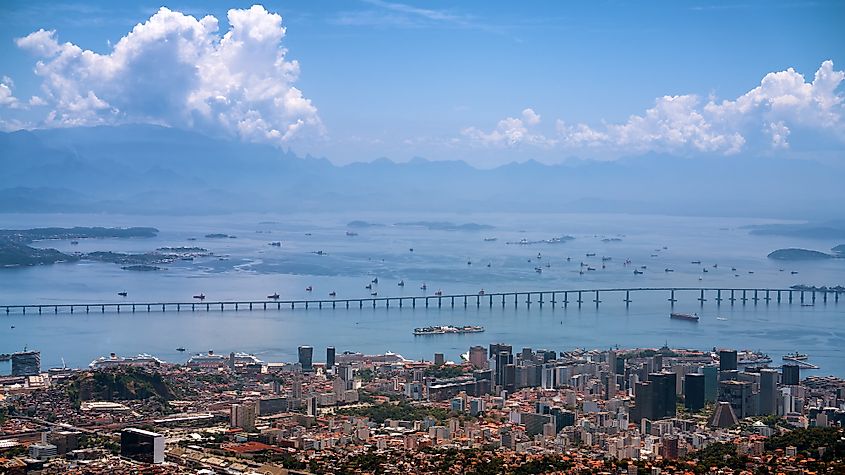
733 269
180 349
605 259
481 292
274 296
539 256
469 263
705 270
637 272
490 239
332 294
668 270
308 289
276 244
654 255
411 249
351 233
721 318
375 281
401 283
793 272
200 296
489 264
438 293
74 242
373 293
591 268
368 286
122 294
795 356
643 267
548 265
591 254
695 262
715 266
538 270
423 287
684 316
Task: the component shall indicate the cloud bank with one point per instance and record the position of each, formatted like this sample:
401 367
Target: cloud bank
764 116
177 70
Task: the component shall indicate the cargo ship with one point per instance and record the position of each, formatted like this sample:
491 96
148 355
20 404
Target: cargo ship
684 316
444 329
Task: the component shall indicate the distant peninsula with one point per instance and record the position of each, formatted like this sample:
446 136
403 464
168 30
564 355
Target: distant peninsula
363 224
794 254
15 249
840 249
446 226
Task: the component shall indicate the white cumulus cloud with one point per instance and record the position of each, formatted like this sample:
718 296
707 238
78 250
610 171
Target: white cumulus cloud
177 70
767 114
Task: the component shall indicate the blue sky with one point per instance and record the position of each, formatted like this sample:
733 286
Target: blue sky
486 82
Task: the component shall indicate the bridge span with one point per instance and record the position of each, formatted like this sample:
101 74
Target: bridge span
552 298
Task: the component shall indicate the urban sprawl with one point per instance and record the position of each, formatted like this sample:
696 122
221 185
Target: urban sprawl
496 410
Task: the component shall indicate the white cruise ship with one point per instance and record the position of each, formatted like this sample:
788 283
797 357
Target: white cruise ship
113 361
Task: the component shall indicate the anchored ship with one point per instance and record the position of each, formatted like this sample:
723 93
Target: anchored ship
443 329
684 316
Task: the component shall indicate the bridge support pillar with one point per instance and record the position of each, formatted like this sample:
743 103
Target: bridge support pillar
768 297
672 298
477 301
334 306
836 297
528 299
306 305
701 298
755 298
597 300
360 304
319 305
439 302
790 296
627 298
39 310
744 298
541 299
453 302
732 299
814 296
824 297
491 301
778 296
118 308
802 296
374 303
414 302
718 296
426 302
580 300
71 309
400 302
565 299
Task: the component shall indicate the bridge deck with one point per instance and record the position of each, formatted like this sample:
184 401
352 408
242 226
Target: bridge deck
543 297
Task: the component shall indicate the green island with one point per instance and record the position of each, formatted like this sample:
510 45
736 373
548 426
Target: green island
16 251
445 226
794 254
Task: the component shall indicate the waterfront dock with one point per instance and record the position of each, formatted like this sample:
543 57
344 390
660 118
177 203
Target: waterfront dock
525 299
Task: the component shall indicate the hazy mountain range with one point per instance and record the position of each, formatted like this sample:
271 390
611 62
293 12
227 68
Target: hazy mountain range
149 169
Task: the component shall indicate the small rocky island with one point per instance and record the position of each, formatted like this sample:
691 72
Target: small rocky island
795 254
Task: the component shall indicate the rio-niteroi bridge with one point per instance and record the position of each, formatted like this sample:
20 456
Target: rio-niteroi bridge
539 298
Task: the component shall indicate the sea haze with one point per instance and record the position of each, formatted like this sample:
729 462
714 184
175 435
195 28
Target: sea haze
247 267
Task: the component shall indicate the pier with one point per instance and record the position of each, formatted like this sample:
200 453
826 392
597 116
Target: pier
540 298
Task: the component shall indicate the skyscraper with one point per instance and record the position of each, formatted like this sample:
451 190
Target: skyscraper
694 391
711 383
26 363
330 353
768 391
656 399
791 375
727 360
141 445
478 357
306 357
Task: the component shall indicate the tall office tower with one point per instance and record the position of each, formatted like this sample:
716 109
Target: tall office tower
439 359
330 353
643 401
727 360
346 372
711 383
611 362
658 363
791 375
738 394
768 391
311 406
503 359
496 348
665 397
478 357
694 391
306 358
26 363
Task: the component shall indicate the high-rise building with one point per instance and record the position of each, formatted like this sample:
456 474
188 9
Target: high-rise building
496 348
311 407
306 358
243 416
503 359
727 360
768 391
330 354
694 391
711 383
791 375
478 357
656 399
141 445
738 395
26 363
439 359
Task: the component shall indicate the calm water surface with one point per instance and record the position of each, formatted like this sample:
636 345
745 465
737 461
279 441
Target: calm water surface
247 267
